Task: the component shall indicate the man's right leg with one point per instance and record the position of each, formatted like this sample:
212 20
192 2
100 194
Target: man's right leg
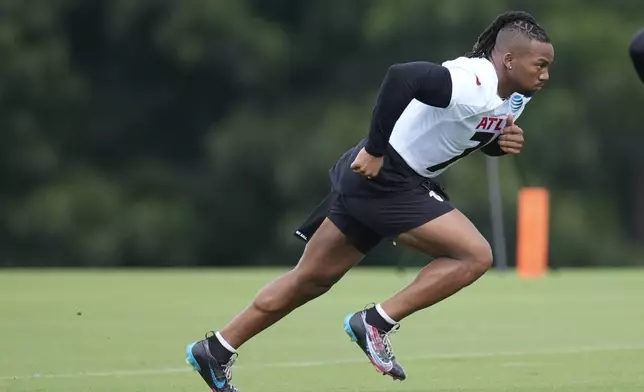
326 258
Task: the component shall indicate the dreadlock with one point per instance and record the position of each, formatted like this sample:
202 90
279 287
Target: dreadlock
520 21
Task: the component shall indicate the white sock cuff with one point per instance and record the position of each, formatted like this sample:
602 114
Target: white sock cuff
385 316
224 343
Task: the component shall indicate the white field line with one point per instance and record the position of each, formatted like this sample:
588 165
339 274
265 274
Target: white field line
348 361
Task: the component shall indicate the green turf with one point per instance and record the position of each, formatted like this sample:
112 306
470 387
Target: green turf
574 331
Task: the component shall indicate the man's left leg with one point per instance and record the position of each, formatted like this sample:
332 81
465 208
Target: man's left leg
465 256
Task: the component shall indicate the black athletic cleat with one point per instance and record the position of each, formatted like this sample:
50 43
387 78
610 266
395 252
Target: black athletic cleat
216 374
375 344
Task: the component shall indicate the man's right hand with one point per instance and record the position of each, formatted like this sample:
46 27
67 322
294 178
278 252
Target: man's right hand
366 164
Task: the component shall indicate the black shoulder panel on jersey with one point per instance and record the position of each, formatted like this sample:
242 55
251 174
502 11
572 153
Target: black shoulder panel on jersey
637 53
427 82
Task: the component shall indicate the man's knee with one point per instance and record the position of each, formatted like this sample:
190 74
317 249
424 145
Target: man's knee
296 287
479 257
316 281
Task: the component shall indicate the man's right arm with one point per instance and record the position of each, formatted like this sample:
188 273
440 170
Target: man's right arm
427 82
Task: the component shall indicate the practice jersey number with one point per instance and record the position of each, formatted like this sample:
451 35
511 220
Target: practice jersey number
482 137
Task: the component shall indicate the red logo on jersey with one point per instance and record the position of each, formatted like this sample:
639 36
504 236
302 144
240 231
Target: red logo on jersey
478 82
488 122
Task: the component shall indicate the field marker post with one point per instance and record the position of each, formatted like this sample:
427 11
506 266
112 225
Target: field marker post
533 220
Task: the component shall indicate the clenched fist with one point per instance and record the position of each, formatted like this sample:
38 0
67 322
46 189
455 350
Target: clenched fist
511 139
366 164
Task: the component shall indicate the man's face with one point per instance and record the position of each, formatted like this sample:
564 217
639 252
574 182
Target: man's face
530 67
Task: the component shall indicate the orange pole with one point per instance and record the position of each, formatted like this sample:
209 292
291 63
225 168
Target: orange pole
533 232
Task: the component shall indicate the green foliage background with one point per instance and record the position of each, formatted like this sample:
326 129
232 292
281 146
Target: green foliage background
200 132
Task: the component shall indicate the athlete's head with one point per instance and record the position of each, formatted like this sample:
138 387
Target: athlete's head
519 49
636 50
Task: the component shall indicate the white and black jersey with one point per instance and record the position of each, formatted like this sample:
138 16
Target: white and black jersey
448 111
427 116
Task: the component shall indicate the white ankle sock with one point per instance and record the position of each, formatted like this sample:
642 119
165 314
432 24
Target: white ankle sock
385 316
224 343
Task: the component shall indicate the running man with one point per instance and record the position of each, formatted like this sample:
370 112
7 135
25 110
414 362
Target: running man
426 117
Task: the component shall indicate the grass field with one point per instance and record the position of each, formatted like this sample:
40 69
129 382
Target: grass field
125 331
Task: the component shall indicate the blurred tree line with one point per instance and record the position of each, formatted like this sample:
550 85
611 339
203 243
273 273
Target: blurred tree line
193 132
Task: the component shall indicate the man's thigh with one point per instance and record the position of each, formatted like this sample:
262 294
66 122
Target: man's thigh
329 254
358 234
394 214
449 235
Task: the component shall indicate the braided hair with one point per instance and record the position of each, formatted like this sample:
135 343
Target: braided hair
519 21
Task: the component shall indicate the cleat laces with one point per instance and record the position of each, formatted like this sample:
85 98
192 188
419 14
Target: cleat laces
386 340
229 367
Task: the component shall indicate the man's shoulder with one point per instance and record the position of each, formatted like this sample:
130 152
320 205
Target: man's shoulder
474 82
467 63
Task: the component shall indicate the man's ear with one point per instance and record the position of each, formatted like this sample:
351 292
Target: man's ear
508 58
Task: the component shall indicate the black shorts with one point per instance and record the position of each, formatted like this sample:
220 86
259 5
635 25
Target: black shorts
367 211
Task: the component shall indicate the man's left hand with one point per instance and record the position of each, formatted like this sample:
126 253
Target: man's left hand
511 139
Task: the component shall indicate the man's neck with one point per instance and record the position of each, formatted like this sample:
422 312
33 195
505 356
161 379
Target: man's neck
503 90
